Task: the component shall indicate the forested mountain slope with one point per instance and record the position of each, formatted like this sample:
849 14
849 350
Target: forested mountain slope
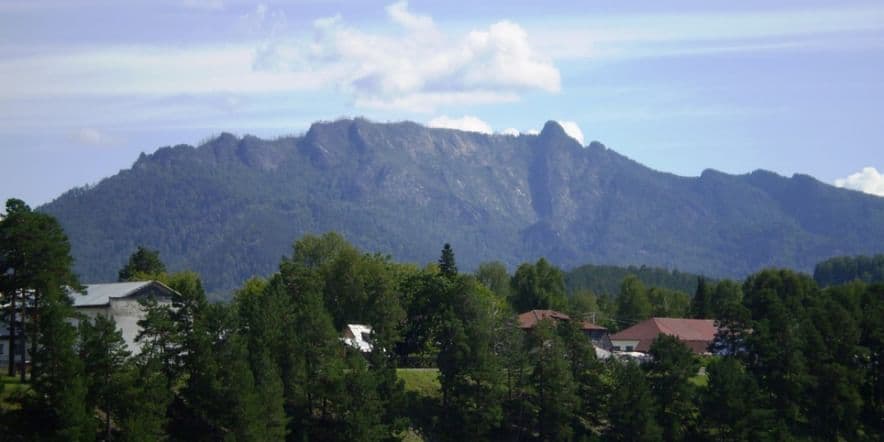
231 207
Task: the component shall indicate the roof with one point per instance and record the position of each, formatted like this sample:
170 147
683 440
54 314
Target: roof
696 333
100 294
360 333
530 319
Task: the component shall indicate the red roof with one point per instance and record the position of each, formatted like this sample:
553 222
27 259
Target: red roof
530 319
696 333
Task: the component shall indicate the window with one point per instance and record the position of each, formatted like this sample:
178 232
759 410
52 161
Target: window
2 348
630 348
616 348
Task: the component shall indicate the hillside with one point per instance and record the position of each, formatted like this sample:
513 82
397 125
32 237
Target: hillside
231 207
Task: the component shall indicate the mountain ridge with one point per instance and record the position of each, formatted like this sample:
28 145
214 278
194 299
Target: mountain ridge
230 207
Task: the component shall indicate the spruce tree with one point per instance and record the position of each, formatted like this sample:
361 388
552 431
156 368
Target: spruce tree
701 303
447 266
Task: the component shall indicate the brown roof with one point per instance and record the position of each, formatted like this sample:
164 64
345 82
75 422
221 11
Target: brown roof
696 333
530 319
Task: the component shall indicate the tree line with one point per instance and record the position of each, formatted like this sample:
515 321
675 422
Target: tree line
794 361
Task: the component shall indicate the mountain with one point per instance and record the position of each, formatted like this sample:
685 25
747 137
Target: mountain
232 207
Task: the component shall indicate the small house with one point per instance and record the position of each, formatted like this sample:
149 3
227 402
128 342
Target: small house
596 333
357 336
697 334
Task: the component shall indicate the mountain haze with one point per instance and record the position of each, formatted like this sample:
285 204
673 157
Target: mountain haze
231 207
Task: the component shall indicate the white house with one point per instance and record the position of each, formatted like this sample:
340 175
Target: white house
357 336
119 300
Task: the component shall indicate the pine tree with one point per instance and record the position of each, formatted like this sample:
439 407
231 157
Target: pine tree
631 406
104 353
553 390
586 371
35 257
58 380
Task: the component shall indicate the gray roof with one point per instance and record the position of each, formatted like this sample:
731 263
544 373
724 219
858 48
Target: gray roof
101 294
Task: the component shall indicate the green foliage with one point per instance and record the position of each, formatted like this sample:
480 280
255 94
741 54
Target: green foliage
552 391
605 280
730 403
538 286
633 304
494 276
144 263
447 266
57 377
104 353
631 406
844 269
672 366
701 304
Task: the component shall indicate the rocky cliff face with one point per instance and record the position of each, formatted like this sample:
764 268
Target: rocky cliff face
230 208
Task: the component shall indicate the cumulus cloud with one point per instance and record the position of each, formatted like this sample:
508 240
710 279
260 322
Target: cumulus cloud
868 180
573 130
467 123
418 67
92 137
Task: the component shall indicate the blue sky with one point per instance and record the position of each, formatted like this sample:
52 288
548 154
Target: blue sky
795 87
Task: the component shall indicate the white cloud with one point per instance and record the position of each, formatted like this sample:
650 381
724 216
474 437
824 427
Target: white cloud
573 130
415 66
92 137
868 180
510 131
399 13
419 67
467 123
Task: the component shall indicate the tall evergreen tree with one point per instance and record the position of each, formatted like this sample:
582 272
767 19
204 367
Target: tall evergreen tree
701 303
631 406
104 353
731 409
35 257
468 366
58 380
669 371
587 373
553 393
447 266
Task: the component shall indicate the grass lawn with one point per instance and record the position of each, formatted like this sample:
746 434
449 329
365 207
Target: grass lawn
700 380
10 388
422 381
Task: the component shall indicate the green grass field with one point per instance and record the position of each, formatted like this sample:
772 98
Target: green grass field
422 381
11 388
